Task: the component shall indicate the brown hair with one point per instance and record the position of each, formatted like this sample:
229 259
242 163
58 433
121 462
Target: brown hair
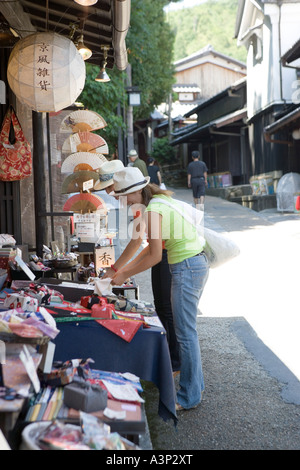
151 190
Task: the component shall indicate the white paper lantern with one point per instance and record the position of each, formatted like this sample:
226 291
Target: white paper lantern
46 72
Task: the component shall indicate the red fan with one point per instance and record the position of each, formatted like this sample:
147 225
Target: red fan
85 142
84 203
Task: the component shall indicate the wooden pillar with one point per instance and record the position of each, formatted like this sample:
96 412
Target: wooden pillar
39 182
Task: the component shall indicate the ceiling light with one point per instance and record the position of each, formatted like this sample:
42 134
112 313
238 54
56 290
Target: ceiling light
86 3
85 52
102 75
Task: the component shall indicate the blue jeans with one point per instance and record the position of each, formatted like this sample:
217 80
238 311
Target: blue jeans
188 280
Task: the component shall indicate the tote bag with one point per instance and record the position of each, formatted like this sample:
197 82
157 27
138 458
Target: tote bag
218 248
15 153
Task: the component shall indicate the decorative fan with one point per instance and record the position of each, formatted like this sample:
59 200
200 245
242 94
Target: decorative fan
83 161
82 120
84 142
74 182
84 203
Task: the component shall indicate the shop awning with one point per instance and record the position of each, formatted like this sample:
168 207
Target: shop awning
191 132
292 54
105 23
282 122
230 118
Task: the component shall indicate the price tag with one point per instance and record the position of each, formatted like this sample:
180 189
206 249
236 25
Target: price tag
88 185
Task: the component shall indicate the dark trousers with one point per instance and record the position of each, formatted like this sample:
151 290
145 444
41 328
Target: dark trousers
161 287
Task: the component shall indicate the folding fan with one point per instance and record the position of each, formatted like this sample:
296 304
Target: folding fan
82 161
82 120
85 202
74 182
84 142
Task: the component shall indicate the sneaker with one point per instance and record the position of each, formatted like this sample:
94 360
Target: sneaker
178 407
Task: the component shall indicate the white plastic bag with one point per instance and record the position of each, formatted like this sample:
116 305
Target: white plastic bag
218 248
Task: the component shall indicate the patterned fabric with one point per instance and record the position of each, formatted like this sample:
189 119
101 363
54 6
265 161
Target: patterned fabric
15 159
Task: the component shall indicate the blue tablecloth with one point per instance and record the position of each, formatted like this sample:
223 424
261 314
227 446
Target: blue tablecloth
147 355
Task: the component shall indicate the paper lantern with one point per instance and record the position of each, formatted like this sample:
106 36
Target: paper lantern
46 72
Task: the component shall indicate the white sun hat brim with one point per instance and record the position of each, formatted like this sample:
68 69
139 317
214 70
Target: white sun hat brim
128 180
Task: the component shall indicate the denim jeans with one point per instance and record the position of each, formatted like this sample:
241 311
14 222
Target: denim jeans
188 280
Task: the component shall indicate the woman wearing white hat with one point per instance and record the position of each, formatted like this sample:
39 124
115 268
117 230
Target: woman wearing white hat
160 277
188 266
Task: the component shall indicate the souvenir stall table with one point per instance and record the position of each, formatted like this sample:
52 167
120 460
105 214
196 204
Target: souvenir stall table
146 354
116 345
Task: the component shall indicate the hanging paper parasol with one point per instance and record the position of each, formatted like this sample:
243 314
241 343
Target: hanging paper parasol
82 120
74 182
84 142
84 203
83 161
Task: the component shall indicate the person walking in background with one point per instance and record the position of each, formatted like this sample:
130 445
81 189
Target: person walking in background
137 162
189 269
153 171
197 178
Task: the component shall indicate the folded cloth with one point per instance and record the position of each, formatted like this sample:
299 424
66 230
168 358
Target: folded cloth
103 286
123 328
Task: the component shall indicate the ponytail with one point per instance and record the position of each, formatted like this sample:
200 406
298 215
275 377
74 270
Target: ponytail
152 190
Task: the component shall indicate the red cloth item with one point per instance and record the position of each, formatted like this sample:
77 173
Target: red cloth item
102 311
123 328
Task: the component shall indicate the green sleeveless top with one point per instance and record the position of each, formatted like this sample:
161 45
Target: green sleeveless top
180 237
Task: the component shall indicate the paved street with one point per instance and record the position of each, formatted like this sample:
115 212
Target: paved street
249 334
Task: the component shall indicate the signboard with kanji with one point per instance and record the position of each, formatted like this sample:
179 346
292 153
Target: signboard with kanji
104 257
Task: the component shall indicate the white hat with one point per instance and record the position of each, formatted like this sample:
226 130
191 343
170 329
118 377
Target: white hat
132 153
106 173
129 180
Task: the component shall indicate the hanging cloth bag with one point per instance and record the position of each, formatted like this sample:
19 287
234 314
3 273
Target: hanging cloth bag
15 151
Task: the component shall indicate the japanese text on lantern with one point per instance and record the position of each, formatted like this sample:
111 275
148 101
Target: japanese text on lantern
43 70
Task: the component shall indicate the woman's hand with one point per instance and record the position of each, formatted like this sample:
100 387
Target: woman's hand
119 278
109 273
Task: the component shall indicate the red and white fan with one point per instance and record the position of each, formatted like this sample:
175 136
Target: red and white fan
85 142
84 203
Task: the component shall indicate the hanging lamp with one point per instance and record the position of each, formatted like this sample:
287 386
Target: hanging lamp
102 75
83 50
86 3
46 72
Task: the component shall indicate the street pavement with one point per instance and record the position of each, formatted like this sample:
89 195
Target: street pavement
248 326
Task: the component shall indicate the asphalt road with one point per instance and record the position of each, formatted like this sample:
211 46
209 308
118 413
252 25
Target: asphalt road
248 327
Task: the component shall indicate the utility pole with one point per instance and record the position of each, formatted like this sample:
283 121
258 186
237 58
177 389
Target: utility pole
130 140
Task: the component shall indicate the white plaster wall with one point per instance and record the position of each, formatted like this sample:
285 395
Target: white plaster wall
267 81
